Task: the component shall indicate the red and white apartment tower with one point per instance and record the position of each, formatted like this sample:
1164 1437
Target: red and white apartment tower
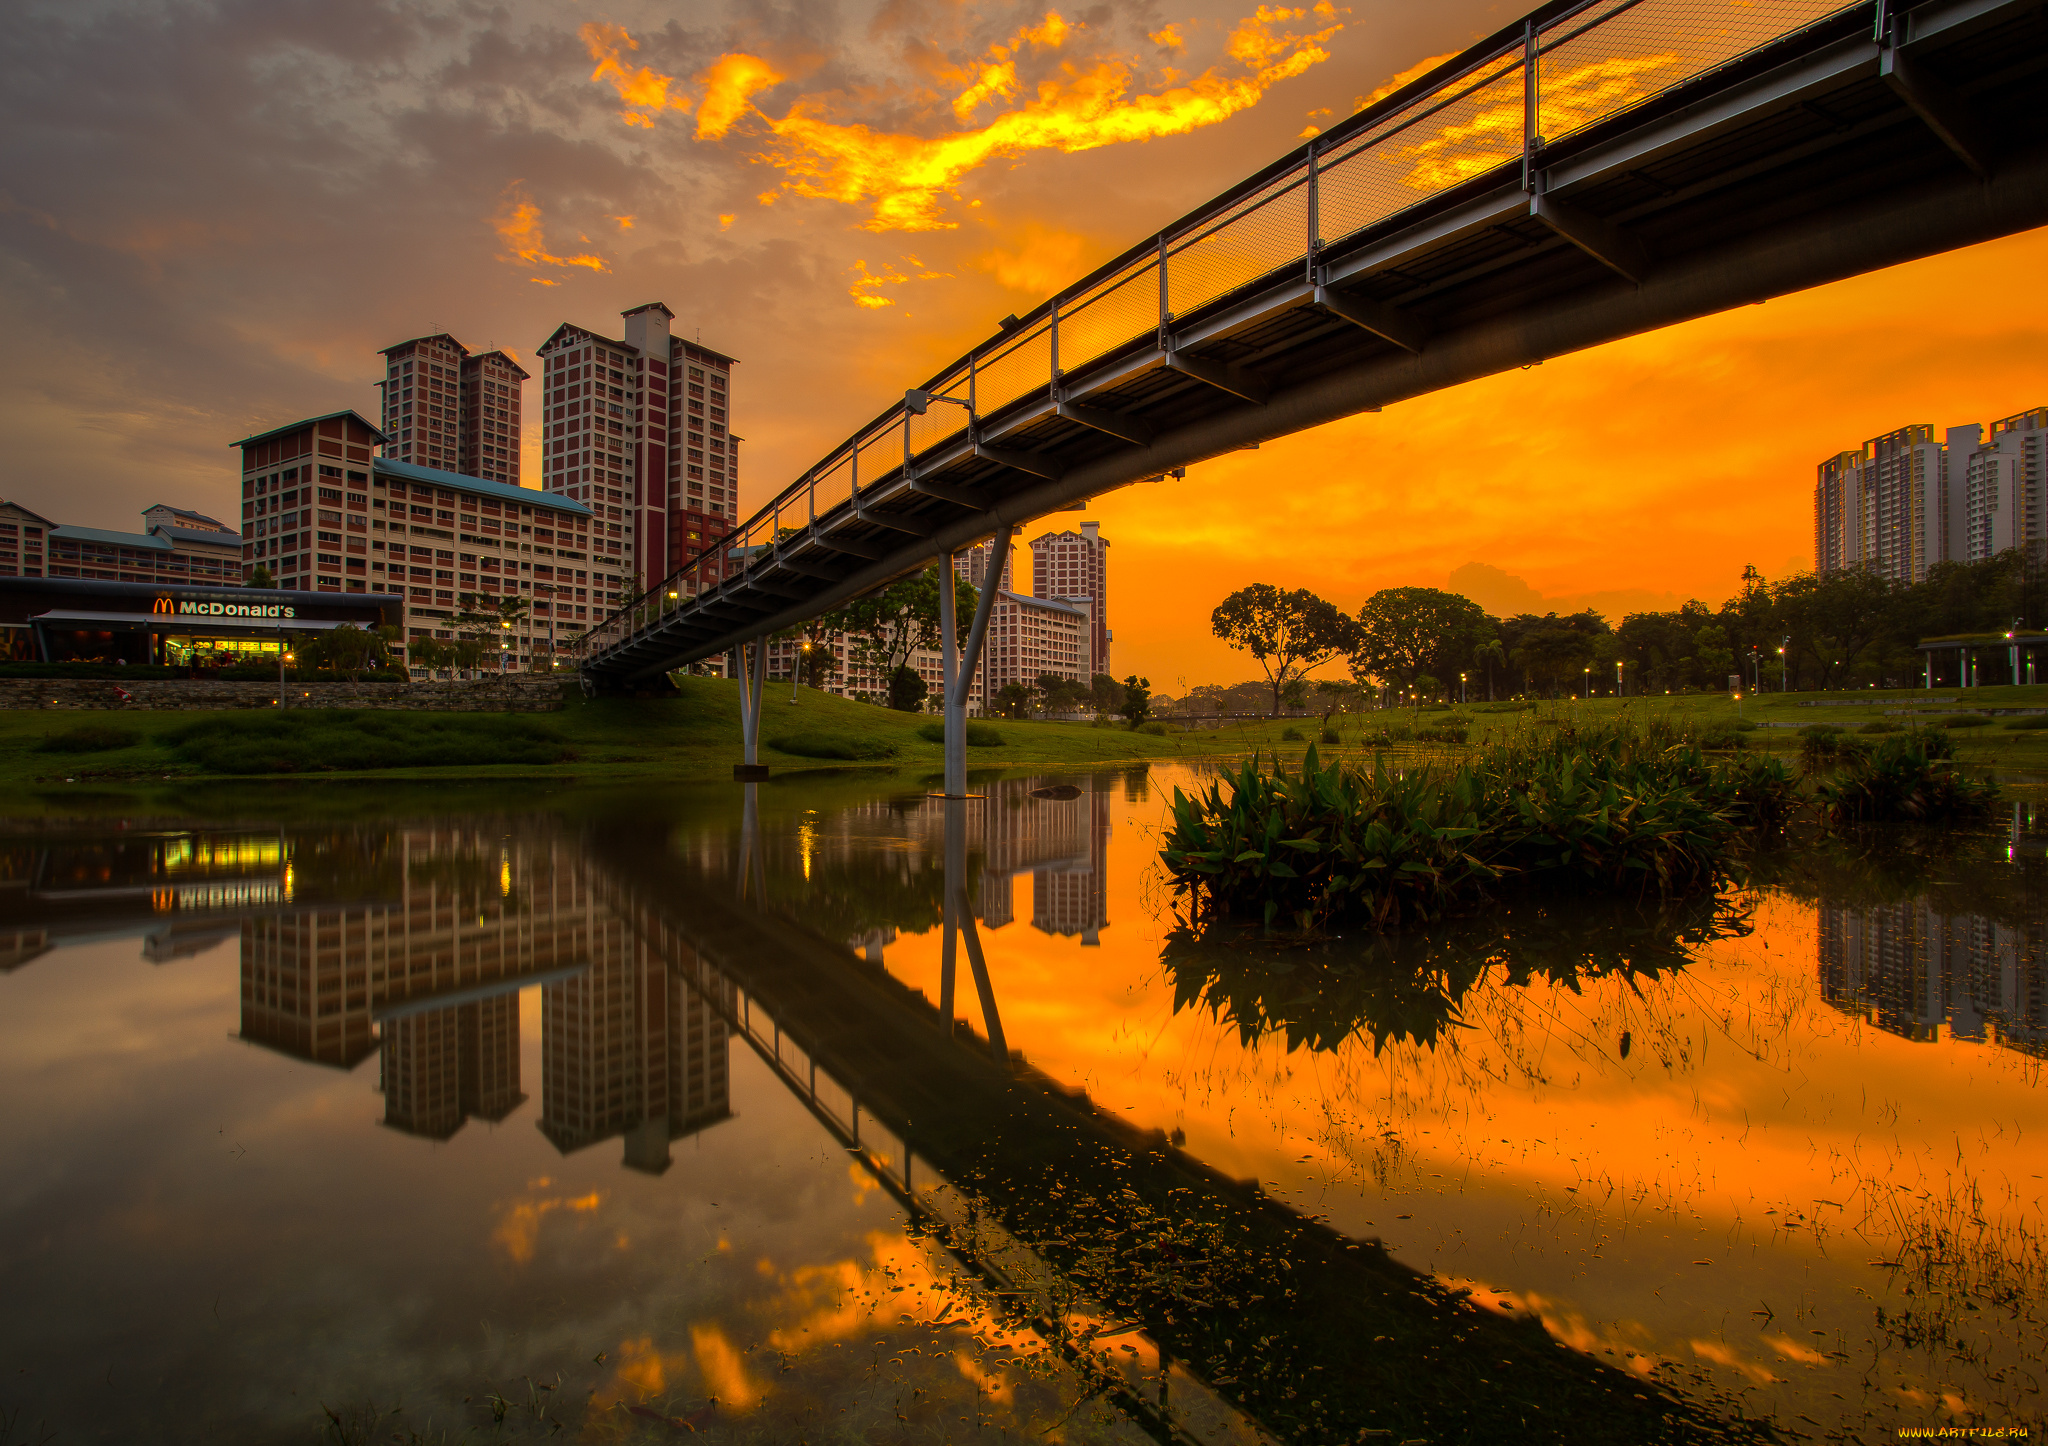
1073 567
639 429
449 409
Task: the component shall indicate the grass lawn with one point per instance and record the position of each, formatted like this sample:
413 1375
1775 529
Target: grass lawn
696 737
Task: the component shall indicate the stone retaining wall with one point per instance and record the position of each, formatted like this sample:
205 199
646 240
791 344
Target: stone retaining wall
496 695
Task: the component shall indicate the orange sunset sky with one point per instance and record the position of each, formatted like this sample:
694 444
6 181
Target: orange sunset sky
211 218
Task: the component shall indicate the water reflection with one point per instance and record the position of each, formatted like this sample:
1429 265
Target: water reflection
868 960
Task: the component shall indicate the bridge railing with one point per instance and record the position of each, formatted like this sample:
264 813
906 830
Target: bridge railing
1569 65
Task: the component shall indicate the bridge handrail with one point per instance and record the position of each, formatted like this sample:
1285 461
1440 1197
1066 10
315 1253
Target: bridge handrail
1566 66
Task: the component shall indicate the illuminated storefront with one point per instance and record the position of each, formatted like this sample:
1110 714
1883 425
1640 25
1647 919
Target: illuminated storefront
57 620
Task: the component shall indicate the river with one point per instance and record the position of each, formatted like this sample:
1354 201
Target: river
828 1110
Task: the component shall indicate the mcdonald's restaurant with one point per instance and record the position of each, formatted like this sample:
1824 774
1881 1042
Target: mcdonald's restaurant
63 620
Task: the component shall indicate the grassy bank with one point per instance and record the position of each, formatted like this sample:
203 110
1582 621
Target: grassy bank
695 737
692 737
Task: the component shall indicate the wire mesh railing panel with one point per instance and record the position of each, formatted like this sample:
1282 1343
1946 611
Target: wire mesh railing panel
1023 369
1600 63
880 452
1444 140
1128 307
941 420
1262 236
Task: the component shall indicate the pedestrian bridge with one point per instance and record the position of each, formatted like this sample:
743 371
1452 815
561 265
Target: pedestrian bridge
1598 169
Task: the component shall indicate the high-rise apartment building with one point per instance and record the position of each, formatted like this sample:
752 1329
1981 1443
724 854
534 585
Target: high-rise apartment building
448 409
639 428
1073 567
1903 503
2003 487
1838 513
1905 507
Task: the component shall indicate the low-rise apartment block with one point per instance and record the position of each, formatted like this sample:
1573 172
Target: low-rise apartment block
321 513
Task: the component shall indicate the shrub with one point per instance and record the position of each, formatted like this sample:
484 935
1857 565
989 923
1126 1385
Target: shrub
1824 745
1879 725
2035 722
1155 728
329 740
1967 720
979 735
89 738
1290 735
1441 733
1330 735
1613 810
1908 779
1722 739
823 745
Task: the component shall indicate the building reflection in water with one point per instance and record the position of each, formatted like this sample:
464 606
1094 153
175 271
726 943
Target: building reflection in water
1911 970
1928 968
428 977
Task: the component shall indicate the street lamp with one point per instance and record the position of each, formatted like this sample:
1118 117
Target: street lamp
1617 677
504 645
1783 664
1588 683
796 668
1461 690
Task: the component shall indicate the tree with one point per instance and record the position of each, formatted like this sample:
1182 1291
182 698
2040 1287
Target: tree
429 653
1105 694
1289 634
484 619
1552 649
1407 631
1294 697
1425 687
347 649
1062 695
1490 655
260 577
1013 700
907 689
1717 659
884 628
1334 694
1137 701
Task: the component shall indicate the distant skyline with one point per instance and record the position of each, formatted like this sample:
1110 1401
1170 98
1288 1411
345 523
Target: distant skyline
212 215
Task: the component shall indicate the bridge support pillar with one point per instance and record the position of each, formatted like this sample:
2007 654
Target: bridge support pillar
752 661
958 664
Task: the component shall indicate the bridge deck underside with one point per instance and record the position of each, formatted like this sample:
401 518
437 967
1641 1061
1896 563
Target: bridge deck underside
1796 167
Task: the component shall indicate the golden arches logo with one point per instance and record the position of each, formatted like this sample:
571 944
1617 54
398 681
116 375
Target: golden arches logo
162 605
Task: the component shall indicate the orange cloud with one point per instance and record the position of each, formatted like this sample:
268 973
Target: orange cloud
518 225
866 292
1043 261
639 86
729 88
904 177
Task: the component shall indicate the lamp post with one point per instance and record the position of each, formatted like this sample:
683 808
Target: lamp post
1784 665
1617 678
504 644
1461 690
796 668
1588 685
